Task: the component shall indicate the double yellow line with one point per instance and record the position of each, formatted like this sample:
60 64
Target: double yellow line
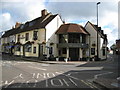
89 84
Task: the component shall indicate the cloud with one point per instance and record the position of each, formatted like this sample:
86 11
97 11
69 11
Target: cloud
19 11
6 20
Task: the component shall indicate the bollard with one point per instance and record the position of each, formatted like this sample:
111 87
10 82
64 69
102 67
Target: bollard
66 60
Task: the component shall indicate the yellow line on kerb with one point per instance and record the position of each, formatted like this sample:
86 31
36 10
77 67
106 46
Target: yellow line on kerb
89 84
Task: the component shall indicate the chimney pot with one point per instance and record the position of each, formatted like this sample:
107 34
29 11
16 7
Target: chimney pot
17 24
44 12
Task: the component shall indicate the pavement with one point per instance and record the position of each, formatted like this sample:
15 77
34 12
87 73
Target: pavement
107 83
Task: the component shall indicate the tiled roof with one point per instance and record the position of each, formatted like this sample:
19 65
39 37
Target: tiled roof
71 28
37 23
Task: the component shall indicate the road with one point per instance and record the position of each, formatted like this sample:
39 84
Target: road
25 74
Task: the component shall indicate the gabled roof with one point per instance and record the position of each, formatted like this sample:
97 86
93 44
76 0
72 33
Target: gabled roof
71 28
37 23
100 32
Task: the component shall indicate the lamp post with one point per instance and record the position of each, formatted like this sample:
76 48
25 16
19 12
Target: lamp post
97 31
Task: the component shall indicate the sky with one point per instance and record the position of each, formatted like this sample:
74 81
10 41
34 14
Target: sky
71 11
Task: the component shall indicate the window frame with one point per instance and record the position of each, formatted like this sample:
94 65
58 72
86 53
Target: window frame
34 50
26 36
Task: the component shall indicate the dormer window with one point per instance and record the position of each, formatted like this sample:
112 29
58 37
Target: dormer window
31 23
22 26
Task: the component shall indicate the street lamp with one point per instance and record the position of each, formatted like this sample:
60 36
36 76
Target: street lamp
97 32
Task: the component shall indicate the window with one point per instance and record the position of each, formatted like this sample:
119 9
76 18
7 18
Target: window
17 48
83 38
28 48
62 38
22 26
74 38
50 50
18 39
26 36
103 51
64 51
31 23
35 35
34 49
92 51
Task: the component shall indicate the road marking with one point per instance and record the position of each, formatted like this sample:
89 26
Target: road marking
37 68
20 75
90 68
52 75
65 82
46 82
68 75
86 83
72 81
92 85
38 75
44 75
7 84
61 84
118 78
96 76
33 75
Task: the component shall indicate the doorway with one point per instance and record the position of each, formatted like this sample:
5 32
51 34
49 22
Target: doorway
74 54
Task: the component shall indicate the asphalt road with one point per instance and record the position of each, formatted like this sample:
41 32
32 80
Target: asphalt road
24 74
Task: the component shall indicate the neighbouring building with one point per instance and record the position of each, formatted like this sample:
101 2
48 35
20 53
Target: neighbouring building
8 41
102 42
31 38
73 41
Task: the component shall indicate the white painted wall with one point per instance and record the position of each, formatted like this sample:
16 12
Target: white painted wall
12 38
53 26
93 38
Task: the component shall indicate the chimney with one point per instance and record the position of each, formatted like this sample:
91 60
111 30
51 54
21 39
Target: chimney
17 24
44 12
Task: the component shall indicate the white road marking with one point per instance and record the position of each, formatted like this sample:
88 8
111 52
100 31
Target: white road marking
72 81
38 75
118 78
33 75
67 75
44 75
52 82
96 76
20 75
65 82
7 84
50 76
90 68
46 82
37 68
